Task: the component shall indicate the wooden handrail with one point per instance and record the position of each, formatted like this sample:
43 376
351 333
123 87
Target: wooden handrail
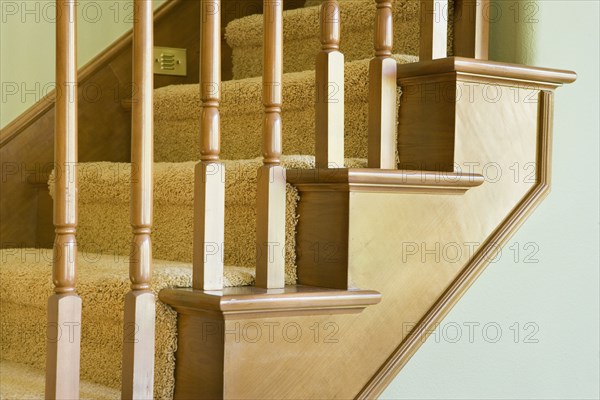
270 210
382 92
64 306
434 30
329 78
209 192
140 304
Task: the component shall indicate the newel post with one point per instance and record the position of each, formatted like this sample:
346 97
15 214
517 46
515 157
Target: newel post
471 28
434 30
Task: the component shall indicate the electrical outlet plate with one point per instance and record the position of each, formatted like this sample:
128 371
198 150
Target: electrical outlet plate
170 61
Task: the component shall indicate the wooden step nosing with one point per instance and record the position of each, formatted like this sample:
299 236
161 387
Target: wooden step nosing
377 180
256 302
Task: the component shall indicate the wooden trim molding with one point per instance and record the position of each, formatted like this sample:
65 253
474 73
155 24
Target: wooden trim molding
498 70
376 180
480 260
252 301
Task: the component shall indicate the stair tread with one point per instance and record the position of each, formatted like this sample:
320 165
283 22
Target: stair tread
22 381
243 302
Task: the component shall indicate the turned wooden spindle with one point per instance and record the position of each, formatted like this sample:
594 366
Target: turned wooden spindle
329 75
434 30
382 92
138 335
64 306
270 230
471 28
209 195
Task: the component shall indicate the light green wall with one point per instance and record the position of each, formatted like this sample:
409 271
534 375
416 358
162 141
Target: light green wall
27 40
559 294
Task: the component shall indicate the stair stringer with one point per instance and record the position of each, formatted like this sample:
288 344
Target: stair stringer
480 260
347 356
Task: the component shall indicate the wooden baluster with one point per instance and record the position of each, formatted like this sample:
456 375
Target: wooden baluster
434 29
270 230
64 306
382 92
329 76
471 28
140 305
209 196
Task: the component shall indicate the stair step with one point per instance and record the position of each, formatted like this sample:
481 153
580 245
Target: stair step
301 32
104 225
102 282
177 108
22 381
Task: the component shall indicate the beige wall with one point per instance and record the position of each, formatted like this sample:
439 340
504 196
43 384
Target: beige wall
27 41
554 300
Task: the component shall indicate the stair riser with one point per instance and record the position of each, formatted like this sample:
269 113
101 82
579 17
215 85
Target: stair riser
302 36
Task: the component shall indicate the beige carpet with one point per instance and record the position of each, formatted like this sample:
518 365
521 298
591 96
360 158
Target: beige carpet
102 282
177 122
302 35
23 382
104 210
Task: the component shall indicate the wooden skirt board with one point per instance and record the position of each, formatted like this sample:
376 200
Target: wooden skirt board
410 248
482 257
419 250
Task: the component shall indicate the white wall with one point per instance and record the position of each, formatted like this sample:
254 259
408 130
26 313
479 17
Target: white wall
27 40
558 296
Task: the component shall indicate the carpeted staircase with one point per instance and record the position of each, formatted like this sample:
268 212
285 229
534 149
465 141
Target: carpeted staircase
104 231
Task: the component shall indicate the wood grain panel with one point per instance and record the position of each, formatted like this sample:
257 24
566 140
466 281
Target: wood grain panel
213 324
384 232
418 287
412 342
